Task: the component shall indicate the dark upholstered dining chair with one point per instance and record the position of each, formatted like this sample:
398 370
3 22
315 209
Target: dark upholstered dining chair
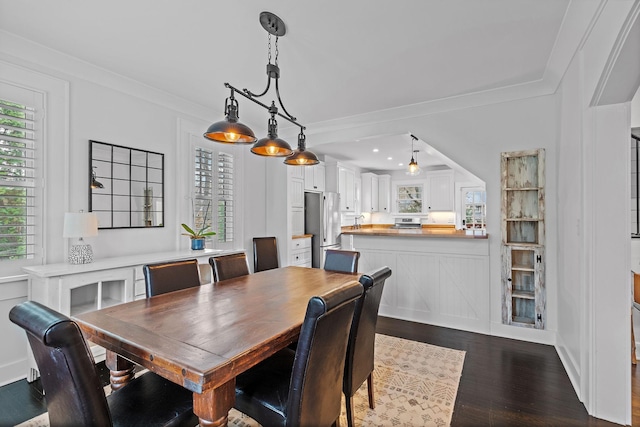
265 254
163 277
360 349
74 393
303 387
341 260
229 266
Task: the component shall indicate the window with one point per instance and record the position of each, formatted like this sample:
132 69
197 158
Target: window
475 209
17 181
214 187
410 198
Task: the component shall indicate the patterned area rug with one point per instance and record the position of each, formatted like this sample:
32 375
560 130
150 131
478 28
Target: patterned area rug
415 385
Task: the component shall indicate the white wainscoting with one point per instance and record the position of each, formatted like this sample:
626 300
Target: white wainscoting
443 282
13 354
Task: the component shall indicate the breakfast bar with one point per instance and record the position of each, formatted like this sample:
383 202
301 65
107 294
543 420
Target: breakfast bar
441 275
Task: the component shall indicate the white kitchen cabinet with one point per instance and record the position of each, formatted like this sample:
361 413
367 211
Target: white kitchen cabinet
440 190
297 192
341 179
301 251
369 192
297 221
314 177
384 193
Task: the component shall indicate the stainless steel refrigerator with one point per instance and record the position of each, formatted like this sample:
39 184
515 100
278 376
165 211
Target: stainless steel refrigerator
322 219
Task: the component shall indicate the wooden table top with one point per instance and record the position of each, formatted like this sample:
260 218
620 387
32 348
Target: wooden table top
205 336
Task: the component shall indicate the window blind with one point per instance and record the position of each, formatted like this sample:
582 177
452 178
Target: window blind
224 195
214 187
17 181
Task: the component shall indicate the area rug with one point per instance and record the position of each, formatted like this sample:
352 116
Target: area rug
415 385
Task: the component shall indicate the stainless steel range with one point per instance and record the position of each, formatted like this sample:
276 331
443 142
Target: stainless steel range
407 223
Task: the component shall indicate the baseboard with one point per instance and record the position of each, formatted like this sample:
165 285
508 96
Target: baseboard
13 372
570 366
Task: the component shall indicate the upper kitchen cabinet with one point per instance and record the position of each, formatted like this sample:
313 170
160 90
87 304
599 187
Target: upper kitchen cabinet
369 192
384 193
314 177
440 190
342 180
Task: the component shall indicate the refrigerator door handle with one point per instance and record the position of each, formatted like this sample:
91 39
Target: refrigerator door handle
324 219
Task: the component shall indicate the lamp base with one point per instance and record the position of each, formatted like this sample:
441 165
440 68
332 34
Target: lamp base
80 254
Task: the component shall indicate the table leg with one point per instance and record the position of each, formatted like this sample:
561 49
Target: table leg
212 407
121 370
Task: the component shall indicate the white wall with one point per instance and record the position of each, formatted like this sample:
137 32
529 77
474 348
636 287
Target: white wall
95 104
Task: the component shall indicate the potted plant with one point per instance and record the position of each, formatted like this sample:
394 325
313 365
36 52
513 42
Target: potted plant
198 237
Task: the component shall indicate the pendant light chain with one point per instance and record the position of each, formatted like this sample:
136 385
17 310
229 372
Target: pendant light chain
277 51
269 48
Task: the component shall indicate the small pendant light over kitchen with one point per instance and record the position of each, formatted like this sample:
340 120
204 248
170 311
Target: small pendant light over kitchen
414 168
232 131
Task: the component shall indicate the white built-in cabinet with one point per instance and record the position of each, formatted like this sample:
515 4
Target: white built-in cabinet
301 251
296 198
440 187
376 192
314 177
523 238
369 192
73 289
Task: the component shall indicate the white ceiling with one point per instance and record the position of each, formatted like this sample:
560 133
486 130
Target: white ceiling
338 58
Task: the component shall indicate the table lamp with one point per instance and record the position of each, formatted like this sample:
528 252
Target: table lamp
80 225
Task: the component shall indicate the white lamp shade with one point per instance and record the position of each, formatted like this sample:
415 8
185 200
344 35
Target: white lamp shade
80 224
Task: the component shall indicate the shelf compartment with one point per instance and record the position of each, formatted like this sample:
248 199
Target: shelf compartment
84 299
523 310
522 204
522 232
523 281
522 171
522 259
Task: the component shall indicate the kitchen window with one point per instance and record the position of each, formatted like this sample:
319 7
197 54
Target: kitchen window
475 208
409 198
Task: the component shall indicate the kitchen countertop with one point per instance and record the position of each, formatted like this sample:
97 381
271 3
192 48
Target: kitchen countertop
424 232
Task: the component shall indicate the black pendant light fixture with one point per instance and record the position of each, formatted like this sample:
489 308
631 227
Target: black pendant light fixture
414 168
233 132
300 156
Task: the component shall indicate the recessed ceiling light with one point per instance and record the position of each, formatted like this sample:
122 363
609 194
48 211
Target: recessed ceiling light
400 164
389 158
375 150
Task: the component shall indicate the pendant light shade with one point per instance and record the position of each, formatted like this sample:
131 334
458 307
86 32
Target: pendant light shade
300 156
271 145
230 130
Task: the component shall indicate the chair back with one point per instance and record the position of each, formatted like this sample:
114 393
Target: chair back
265 254
73 390
315 391
360 349
229 266
341 260
164 277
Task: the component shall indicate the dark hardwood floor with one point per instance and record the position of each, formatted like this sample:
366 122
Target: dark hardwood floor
504 382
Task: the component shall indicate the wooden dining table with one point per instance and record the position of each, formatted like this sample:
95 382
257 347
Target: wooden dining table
203 337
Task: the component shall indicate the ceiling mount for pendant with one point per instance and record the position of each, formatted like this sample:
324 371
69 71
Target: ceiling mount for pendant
273 24
232 131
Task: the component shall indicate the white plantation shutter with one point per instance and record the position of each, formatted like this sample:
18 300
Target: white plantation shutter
224 196
213 188
17 181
